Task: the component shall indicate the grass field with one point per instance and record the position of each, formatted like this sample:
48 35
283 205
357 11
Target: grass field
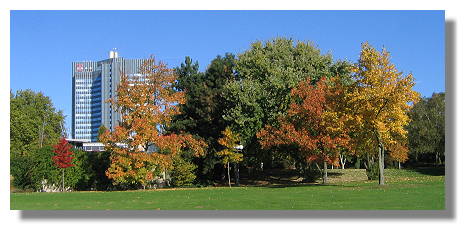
348 190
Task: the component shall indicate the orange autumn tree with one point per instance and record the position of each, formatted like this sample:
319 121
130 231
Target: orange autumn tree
314 123
379 99
146 104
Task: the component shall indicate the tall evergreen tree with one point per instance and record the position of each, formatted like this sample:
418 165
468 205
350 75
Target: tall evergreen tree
202 114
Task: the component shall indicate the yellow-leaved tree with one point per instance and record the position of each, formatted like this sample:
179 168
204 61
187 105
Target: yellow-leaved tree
146 104
230 141
379 100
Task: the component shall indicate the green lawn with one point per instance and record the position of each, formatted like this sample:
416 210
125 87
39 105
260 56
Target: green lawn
405 190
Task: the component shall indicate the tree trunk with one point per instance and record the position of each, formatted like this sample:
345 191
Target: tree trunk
237 175
41 136
164 178
438 159
325 173
228 174
399 166
63 170
381 164
342 160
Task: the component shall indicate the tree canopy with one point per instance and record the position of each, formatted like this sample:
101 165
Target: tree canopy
265 75
63 157
34 122
427 127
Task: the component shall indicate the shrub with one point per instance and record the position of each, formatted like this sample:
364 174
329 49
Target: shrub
372 170
29 172
21 171
95 165
182 173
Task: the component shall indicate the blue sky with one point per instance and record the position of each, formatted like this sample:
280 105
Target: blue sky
45 43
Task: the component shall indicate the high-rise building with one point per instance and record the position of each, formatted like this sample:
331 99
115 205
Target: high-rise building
93 83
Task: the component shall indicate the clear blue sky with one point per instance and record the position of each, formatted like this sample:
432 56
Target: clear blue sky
45 43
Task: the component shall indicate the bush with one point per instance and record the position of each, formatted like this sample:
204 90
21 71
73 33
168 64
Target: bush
21 170
30 171
95 165
372 170
182 173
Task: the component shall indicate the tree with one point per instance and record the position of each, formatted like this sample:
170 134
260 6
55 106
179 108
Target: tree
229 153
140 147
183 172
266 73
380 99
63 158
202 113
426 131
34 122
314 124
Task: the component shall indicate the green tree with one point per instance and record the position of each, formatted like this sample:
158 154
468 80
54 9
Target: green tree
202 114
34 122
266 74
426 131
182 173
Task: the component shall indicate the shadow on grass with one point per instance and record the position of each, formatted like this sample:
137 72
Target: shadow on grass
275 178
335 174
434 171
298 185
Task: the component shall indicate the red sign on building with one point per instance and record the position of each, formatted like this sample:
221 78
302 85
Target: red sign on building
79 67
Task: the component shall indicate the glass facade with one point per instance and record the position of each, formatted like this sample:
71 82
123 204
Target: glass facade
93 83
85 88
